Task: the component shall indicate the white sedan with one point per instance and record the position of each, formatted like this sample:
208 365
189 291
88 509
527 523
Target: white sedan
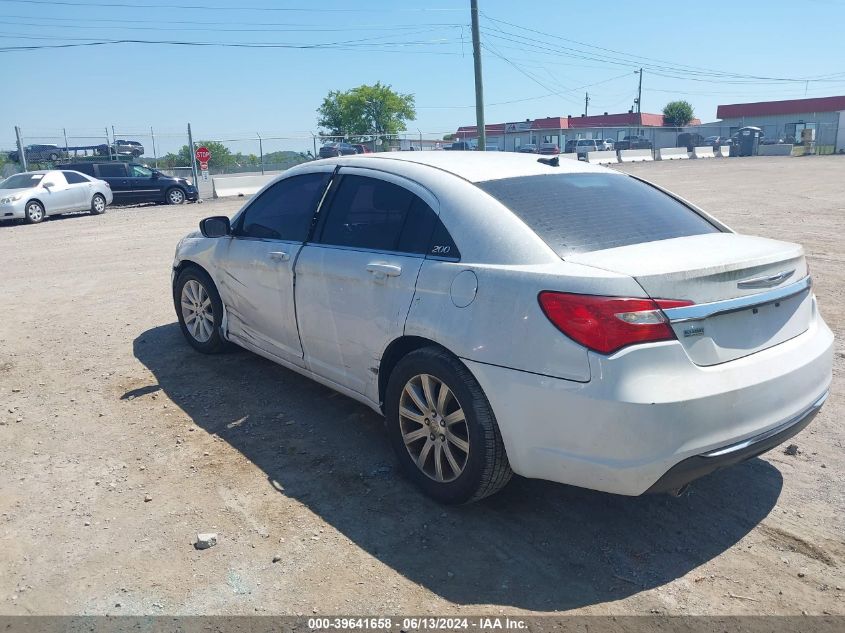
34 195
511 314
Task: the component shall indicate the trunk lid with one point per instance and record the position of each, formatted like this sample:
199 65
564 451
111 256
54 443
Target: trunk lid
736 281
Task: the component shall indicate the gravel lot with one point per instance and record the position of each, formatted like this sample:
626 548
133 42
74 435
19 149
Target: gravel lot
118 444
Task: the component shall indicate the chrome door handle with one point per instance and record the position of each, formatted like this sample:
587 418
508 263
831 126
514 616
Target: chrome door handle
279 256
381 270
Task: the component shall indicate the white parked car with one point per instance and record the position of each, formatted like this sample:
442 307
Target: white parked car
33 195
507 314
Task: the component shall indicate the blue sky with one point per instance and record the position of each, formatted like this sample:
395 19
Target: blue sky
540 58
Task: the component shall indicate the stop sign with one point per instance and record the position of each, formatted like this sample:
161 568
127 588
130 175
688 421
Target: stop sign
202 154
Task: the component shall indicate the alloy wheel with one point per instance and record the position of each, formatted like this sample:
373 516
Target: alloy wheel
176 196
434 428
34 212
99 204
197 311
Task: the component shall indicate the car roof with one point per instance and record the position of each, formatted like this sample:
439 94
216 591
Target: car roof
471 166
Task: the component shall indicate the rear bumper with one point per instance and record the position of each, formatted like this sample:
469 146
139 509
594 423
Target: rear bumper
648 408
693 468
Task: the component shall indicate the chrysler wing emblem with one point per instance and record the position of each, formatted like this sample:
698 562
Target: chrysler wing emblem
768 281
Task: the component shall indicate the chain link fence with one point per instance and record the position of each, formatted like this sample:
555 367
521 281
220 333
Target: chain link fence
171 152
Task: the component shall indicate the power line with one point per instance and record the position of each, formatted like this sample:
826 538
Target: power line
293 29
371 47
628 58
203 7
534 45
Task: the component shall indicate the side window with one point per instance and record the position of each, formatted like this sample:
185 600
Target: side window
285 210
416 233
442 244
55 179
111 170
139 171
74 179
366 213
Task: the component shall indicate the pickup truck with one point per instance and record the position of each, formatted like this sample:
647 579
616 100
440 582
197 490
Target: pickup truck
633 142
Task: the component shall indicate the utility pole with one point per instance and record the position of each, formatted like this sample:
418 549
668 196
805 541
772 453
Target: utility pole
640 99
21 152
261 151
155 154
586 102
479 87
108 143
193 157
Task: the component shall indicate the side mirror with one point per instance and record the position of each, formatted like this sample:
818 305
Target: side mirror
217 226
47 185
155 175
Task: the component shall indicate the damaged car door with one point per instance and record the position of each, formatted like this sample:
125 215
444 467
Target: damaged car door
256 268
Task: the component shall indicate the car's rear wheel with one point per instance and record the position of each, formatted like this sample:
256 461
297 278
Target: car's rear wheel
34 212
199 310
443 430
175 195
98 204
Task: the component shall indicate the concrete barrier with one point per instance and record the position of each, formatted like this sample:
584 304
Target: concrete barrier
782 149
602 157
723 151
225 186
672 153
569 155
703 152
635 155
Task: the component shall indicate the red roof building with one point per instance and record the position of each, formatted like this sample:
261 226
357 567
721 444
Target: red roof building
775 108
623 120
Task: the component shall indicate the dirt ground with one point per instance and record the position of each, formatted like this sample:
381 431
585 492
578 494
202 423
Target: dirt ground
103 405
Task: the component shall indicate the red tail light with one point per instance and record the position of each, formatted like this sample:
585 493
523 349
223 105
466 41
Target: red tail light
607 324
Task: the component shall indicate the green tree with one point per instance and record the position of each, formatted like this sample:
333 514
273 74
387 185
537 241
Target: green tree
366 111
678 113
221 156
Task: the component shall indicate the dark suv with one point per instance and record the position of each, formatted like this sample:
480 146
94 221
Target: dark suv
120 146
633 142
330 150
39 153
132 183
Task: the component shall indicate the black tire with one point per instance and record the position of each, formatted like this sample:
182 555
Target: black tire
486 469
34 212
216 344
175 195
98 204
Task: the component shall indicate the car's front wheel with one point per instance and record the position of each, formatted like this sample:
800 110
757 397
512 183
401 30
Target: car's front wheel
34 212
98 204
175 195
443 430
199 310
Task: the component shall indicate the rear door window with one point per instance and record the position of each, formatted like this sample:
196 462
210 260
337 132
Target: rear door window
578 213
111 170
74 179
367 213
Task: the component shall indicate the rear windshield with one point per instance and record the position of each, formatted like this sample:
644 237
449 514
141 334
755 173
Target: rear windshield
578 213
